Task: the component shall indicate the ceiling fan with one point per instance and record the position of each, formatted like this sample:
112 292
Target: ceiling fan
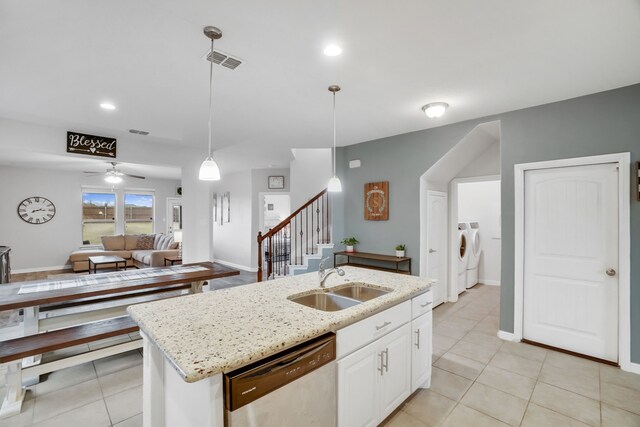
113 175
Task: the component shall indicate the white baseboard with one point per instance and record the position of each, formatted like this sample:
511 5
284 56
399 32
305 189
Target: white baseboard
234 265
633 368
507 336
37 269
489 282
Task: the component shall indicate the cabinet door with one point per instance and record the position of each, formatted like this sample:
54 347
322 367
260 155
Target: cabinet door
357 388
395 384
421 351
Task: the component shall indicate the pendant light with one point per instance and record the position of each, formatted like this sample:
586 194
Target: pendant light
209 170
334 186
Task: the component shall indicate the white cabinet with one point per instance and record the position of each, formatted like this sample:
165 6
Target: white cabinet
395 381
374 380
357 388
421 351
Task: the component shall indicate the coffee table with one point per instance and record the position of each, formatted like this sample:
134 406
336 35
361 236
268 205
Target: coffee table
110 259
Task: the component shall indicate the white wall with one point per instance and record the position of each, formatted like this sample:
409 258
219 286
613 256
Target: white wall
197 195
44 246
480 201
488 163
234 243
310 170
232 240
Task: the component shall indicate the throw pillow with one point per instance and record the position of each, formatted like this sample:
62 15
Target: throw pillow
113 243
174 245
145 241
130 241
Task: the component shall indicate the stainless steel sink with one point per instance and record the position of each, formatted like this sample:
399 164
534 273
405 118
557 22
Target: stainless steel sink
325 301
359 291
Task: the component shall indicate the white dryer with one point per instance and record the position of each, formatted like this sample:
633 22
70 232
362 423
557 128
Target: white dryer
463 256
475 250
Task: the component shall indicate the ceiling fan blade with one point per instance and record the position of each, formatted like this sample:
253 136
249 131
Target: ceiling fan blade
134 176
93 173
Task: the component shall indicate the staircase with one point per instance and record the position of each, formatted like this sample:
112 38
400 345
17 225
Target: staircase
298 243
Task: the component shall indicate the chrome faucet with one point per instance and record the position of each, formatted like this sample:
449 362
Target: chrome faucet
323 273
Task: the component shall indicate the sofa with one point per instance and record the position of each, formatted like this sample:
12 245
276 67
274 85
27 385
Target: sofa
140 250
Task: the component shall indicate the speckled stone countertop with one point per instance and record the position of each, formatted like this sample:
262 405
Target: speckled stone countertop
205 334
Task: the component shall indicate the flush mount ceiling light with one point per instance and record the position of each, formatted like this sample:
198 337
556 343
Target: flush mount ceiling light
332 50
435 109
334 186
107 106
209 170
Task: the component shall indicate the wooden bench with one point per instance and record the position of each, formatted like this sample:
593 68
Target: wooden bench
375 258
12 353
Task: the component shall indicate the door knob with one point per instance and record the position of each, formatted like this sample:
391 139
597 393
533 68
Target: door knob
432 251
611 272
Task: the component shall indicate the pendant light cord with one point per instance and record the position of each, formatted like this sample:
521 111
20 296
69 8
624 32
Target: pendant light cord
210 94
334 134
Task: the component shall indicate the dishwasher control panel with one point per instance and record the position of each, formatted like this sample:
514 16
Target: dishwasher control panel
247 384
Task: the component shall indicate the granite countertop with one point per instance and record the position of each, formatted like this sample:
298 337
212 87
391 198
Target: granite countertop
205 334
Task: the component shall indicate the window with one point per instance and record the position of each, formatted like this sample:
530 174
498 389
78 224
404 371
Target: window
138 213
98 216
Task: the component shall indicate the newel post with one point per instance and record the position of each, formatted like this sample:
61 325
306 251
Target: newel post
259 274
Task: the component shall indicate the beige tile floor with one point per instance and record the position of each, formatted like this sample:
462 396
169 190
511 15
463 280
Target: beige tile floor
478 380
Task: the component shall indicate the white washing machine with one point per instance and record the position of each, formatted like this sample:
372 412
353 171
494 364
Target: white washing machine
463 256
475 250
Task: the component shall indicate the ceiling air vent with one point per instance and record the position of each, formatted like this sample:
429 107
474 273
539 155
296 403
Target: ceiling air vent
139 132
224 59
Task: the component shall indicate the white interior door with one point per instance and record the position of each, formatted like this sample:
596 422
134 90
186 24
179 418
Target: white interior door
437 243
174 214
571 258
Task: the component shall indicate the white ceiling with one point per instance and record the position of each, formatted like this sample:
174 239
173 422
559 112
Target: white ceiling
61 59
21 158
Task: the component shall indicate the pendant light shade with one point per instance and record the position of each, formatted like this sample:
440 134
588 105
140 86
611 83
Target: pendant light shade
334 186
209 170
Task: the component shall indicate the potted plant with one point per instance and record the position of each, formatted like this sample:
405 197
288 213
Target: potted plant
350 242
400 250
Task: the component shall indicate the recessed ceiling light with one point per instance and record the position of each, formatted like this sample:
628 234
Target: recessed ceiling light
435 109
107 106
332 50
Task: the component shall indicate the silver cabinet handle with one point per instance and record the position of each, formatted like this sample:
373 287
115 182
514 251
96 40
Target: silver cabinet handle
432 251
418 339
611 272
381 368
384 325
386 359
425 304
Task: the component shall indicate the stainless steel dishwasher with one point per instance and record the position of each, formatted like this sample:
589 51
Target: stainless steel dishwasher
294 388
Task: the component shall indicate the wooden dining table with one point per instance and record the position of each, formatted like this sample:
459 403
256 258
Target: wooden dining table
110 293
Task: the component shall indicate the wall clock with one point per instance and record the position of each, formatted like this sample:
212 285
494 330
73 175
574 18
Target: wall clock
36 210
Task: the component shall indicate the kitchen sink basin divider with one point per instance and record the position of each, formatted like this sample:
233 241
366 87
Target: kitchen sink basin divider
297 235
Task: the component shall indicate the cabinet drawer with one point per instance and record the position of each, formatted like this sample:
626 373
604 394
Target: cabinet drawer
421 304
365 331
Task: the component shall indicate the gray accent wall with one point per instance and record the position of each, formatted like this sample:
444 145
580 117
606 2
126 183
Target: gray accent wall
602 123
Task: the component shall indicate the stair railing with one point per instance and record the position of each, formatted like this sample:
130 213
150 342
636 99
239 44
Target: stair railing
295 236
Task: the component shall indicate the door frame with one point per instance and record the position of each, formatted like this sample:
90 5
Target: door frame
169 212
453 228
623 161
424 255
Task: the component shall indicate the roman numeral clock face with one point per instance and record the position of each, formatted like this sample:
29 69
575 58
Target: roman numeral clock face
36 210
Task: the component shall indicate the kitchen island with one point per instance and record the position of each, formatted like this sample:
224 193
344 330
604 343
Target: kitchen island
189 343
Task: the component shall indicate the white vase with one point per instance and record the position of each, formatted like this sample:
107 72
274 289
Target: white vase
350 248
400 254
